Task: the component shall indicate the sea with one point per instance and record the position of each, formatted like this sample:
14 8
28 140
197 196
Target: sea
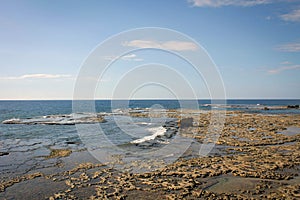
24 146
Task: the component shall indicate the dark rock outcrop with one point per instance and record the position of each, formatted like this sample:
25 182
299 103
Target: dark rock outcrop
4 153
293 106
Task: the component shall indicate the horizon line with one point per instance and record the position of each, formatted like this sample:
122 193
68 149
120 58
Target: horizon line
121 99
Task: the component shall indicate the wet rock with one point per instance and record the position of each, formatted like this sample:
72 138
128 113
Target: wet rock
171 130
264 162
72 142
7 183
293 106
59 153
186 122
266 108
4 153
169 133
147 144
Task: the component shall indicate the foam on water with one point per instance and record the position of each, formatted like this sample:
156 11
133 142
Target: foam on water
157 131
70 119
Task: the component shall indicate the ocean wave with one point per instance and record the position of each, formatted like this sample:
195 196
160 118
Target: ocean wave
157 131
160 135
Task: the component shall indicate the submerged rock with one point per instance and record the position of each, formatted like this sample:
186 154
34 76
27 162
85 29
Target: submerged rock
59 153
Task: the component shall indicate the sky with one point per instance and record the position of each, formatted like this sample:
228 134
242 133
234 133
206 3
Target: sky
254 44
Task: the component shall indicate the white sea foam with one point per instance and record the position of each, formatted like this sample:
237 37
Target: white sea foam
70 119
143 123
13 120
157 131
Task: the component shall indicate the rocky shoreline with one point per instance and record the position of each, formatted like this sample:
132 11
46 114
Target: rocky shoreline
261 160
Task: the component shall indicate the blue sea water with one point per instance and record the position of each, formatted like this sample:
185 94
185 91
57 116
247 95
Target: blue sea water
28 109
9 109
28 144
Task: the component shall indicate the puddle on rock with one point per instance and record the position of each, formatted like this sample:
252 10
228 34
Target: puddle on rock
290 131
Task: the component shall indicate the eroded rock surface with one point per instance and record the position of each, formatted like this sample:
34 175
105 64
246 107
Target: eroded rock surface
260 162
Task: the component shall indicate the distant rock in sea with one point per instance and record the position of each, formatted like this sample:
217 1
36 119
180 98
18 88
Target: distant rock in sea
293 106
72 119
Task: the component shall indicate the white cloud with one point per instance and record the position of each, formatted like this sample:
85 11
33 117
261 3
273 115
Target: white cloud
283 68
128 57
132 57
219 3
286 63
36 76
168 45
290 47
293 16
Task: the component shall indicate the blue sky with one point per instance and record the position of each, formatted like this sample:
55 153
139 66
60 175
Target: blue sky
255 44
